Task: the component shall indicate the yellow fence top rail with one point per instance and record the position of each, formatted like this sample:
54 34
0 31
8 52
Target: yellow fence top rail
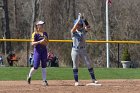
68 41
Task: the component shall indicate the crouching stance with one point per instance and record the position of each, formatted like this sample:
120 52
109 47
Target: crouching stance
39 41
78 34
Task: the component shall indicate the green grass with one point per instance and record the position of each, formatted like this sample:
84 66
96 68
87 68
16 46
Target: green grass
20 73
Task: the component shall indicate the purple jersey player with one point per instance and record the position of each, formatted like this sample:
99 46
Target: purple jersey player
39 41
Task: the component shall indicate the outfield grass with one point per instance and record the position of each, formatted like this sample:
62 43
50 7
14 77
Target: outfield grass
20 73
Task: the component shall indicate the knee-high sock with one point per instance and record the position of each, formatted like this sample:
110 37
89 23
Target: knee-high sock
75 73
92 73
32 70
44 74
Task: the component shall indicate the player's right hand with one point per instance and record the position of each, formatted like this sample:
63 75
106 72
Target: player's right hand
79 16
43 42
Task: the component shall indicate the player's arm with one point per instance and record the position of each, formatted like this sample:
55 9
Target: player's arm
76 24
75 27
33 43
87 26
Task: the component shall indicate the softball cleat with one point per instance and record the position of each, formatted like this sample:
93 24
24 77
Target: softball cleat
29 80
45 83
76 83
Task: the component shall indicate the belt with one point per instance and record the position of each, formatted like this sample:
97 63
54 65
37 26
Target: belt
78 47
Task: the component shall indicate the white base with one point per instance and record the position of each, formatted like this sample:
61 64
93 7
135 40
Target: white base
93 84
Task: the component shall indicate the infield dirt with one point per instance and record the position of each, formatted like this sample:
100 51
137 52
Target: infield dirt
67 86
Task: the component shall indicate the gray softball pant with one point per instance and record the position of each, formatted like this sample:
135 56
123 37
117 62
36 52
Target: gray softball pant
82 53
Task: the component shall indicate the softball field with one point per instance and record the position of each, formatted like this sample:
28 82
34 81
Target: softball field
67 86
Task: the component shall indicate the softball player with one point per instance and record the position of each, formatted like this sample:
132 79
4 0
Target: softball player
39 41
78 33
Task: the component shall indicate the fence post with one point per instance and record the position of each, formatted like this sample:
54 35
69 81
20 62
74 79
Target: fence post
118 55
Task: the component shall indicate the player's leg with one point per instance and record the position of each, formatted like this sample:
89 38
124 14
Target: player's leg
84 56
74 55
35 66
32 70
8 60
44 65
12 63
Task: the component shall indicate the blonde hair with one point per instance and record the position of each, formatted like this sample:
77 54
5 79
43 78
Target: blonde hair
35 29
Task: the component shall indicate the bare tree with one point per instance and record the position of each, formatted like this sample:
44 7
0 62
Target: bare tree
7 33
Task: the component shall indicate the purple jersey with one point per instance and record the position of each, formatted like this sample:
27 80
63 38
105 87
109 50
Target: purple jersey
40 51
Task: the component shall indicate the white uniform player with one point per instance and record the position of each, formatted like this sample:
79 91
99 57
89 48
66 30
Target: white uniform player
78 33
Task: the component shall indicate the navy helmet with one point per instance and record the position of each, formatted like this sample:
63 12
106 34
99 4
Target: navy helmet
80 22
